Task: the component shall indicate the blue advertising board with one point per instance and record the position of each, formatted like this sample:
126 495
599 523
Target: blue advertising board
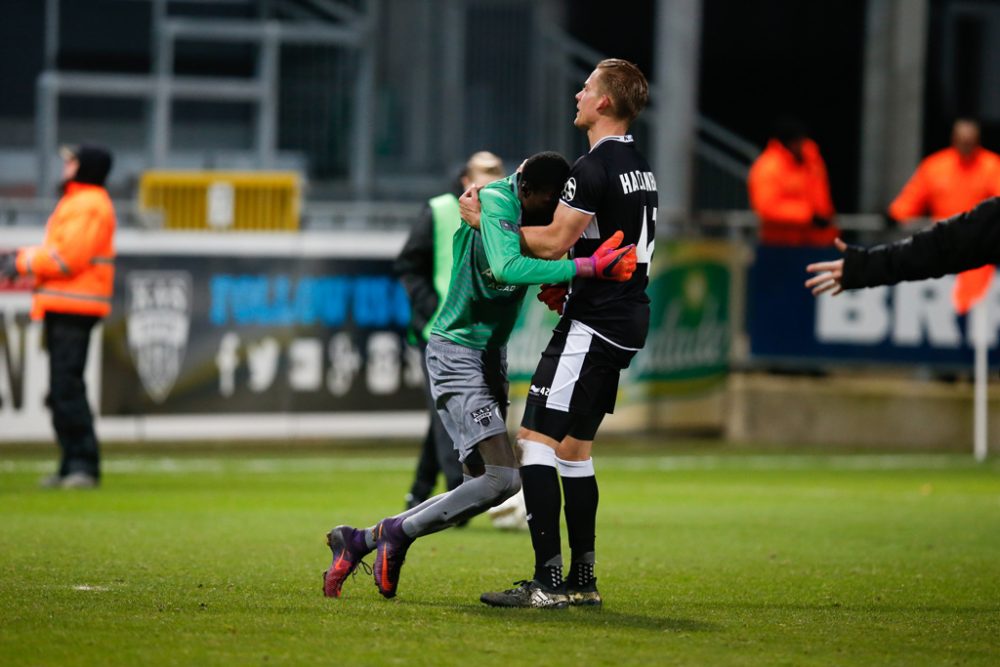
908 323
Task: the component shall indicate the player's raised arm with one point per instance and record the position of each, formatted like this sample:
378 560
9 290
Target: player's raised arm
967 241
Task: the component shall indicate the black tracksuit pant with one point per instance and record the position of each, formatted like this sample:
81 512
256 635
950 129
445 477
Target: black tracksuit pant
67 338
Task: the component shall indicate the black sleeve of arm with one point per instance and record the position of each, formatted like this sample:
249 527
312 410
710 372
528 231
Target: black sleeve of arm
964 242
415 268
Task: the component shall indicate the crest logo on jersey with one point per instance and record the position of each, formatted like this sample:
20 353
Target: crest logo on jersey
569 190
491 280
538 391
482 416
509 226
158 318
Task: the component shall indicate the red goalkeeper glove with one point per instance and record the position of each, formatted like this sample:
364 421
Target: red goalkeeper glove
553 296
609 262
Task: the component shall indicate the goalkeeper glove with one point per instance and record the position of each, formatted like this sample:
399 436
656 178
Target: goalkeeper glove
609 262
553 296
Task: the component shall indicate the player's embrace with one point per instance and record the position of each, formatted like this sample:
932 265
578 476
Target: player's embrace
466 361
611 193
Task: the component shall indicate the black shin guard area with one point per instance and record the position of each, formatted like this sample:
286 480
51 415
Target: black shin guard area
581 513
542 499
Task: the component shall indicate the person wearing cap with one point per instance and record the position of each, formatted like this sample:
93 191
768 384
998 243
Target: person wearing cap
73 273
424 268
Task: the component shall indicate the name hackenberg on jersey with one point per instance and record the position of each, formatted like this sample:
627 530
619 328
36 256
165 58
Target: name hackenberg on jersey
613 182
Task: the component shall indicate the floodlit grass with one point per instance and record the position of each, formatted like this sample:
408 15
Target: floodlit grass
703 560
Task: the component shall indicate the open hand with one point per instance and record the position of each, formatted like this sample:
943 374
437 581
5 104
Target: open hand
828 274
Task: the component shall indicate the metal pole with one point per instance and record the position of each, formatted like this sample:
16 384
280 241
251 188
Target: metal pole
267 106
546 14
453 77
980 324
561 97
678 44
420 16
363 153
47 101
46 131
163 66
892 121
51 34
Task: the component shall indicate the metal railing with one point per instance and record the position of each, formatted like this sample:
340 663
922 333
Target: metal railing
34 212
735 225
162 87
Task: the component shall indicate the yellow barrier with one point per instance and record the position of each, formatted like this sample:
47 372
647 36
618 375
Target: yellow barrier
222 200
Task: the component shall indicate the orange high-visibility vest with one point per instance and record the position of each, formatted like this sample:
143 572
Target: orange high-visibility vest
787 194
74 266
945 185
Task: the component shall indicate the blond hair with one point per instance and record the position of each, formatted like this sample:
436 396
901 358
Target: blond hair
625 84
485 163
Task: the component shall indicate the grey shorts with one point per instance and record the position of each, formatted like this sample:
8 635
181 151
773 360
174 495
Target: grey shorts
469 388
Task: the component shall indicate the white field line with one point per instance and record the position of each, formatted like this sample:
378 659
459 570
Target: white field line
709 462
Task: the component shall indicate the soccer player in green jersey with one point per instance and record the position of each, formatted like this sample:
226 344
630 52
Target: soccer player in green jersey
466 361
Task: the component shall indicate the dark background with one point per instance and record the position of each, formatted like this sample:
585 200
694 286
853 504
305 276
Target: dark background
760 59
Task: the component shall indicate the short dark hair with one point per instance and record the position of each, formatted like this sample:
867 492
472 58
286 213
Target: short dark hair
971 120
787 129
545 172
626 85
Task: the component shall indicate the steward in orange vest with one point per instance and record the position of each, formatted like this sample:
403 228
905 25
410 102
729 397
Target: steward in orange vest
74 266
790 192
73 270
949 182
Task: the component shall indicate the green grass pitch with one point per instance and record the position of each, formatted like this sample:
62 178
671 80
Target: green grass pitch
767 559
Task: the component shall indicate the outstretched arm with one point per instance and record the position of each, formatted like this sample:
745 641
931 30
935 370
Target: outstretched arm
967 241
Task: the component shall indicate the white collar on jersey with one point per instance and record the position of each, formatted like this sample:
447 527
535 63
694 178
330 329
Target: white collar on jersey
624 138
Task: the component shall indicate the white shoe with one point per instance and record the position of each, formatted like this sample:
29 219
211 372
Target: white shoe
511 514
79 480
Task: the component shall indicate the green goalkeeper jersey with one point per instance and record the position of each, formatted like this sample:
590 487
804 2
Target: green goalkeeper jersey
490 275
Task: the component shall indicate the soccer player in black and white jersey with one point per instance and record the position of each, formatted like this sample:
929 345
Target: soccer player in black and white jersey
603 325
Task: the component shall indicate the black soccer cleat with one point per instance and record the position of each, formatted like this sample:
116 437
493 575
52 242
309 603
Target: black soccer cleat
390 554
527 594
348 548
585 595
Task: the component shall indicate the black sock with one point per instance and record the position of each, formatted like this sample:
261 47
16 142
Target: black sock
542 499
581 574
581 520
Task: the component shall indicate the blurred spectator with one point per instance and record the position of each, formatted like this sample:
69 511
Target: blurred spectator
952 180
949 182
789 190
424 267
73 270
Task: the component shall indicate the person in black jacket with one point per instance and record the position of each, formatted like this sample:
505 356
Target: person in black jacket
966 241
424 268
